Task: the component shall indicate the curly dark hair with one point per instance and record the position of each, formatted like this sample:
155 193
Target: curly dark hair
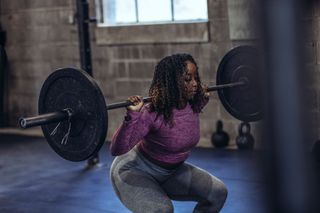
167 90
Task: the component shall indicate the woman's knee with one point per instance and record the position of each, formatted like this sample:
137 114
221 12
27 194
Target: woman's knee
220 193
223 191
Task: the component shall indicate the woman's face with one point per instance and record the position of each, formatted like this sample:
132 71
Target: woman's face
191 79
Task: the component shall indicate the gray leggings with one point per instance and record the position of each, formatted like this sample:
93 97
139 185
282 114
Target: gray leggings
145 187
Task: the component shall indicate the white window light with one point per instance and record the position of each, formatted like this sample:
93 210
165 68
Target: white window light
131 12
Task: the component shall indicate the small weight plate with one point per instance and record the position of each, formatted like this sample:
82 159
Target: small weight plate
241 64
71 88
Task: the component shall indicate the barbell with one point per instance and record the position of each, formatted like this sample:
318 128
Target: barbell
73 111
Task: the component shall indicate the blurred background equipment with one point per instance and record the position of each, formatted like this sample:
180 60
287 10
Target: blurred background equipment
219 138
245 139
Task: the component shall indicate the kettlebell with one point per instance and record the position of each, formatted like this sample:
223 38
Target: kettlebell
219 138
245 139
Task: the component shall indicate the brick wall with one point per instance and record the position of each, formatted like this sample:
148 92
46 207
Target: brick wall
39 40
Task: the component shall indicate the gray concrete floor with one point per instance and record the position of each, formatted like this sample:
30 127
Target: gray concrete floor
35 179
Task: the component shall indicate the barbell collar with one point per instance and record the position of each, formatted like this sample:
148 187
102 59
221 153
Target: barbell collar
46 118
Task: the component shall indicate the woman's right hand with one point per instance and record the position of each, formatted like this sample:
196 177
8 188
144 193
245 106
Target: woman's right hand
137 102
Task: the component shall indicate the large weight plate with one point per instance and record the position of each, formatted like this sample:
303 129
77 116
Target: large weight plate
242 102
70 88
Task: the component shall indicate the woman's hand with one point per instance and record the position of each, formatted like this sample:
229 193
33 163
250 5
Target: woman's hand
137 102
206 93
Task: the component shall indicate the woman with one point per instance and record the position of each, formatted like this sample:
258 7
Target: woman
155 139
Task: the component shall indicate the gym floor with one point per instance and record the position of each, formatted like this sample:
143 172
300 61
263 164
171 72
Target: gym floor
35 179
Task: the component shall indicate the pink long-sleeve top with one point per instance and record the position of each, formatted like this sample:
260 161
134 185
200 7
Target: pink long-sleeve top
157 139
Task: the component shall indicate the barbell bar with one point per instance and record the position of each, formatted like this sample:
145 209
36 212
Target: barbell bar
65 114
73 111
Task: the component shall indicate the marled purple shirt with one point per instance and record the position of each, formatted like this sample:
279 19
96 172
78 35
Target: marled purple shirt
157 139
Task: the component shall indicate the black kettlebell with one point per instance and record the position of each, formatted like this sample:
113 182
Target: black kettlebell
219 138
245 140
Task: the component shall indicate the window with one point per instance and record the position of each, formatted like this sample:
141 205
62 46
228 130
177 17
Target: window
135 12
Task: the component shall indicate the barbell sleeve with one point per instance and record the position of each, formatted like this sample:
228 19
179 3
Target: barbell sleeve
46 118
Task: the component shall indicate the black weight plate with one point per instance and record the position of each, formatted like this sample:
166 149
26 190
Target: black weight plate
242 102
70 88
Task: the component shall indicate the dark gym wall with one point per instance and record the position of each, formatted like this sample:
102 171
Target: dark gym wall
42 37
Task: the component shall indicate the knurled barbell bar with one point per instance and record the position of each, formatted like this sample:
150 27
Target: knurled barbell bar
73 111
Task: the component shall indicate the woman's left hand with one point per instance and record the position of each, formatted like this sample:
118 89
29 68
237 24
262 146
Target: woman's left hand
206 93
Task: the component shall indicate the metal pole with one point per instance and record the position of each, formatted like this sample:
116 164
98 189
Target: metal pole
3 77
285 117
84 35
85 51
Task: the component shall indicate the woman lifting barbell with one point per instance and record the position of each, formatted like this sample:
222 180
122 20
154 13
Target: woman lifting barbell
155 139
